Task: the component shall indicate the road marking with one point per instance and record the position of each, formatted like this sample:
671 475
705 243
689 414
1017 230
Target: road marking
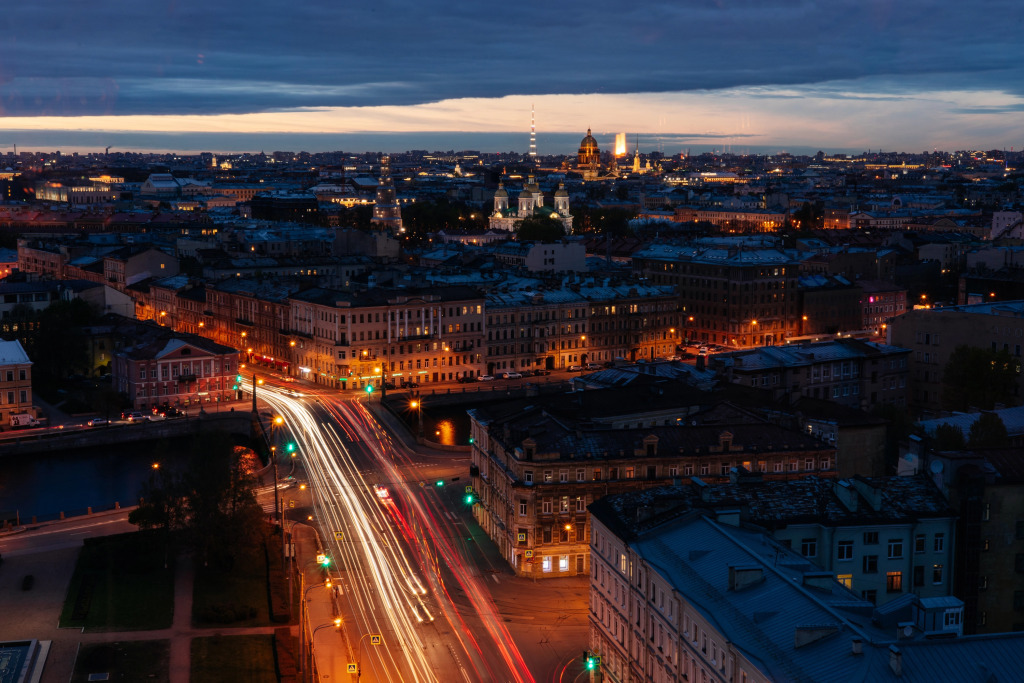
495 577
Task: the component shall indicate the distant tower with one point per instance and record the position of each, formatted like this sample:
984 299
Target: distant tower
533 134
386 214
636 157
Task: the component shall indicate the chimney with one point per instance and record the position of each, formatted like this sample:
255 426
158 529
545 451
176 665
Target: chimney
857 646
744 576
896 660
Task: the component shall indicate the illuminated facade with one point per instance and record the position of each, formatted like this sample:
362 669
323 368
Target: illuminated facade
530 204
588 159
387 215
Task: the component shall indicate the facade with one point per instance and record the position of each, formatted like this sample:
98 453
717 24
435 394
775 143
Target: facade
535 468
169 368
556 257
850 372
583 321
733 220
15 382
684 595
351 340
933 333
728 295
881 302
131 264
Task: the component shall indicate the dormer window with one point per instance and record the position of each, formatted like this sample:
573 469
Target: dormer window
725 441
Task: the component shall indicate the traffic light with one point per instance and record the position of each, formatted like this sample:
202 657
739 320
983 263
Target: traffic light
440 482
238 379
470 439
289 447
369 388
591 660
470 498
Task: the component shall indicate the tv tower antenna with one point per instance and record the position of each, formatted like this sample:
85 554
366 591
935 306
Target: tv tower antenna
533 133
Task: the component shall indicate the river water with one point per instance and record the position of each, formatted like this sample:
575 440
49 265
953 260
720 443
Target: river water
44 485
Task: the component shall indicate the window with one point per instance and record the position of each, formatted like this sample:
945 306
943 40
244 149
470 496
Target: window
581 475
870 538
845 579
918 576
940 543
870 564
919 543
936 573
546 506
893 582
871 596
564 504
895 548
622 563
563 563
522 507
809 547
546 563
581 504
528 476
549 476
845 550
563 476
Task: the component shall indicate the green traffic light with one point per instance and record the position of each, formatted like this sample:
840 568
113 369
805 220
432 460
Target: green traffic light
440 482
471 439
326 561
238 378
469 499
369 388
290 447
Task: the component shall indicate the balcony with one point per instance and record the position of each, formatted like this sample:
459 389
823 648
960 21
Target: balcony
243 321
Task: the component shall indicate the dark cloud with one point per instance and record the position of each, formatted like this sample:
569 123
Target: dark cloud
66 57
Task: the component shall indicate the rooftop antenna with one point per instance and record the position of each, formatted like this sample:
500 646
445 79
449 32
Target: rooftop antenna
533 133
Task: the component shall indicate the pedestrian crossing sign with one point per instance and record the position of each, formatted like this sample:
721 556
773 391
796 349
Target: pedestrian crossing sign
339 535
353 668
375 639
521 537
469 488
529 554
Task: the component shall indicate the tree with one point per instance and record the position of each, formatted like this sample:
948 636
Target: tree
540 230
949 438
211 507
988 431
976 377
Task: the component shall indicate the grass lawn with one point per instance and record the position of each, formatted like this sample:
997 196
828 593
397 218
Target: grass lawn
231 659
236 597
141 660
120 584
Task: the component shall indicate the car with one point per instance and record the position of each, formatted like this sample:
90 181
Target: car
390 386
527 373
411 385
593 366
575 368
511 375
134 416
542 372
485 378
703 350
156 417
465 379
97 421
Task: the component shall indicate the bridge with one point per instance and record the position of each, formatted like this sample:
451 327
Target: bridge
50 440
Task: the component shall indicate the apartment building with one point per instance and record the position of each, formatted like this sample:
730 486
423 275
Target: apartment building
15 381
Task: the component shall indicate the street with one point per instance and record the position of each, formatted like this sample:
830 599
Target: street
402 556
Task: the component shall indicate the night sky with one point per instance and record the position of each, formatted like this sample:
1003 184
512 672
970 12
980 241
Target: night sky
907 75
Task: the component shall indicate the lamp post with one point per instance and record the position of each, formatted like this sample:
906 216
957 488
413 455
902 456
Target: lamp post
312 640
304 612
375 639
417 405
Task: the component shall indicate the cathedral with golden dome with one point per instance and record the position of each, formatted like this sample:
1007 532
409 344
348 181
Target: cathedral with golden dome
588 160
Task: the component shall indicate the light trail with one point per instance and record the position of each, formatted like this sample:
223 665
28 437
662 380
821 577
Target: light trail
395 556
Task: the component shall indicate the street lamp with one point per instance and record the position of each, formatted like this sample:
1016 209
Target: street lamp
375 639
312 640
418 407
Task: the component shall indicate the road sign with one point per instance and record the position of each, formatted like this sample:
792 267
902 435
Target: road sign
375 639
421 484
521 537
353 668
339 535
529 554
469 488
291 503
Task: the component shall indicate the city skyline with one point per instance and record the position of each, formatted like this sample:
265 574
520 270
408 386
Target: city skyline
776 76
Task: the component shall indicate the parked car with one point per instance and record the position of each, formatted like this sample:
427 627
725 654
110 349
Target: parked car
575 368
133 416
390 385
97 421
593 366
512 375
542 372
465 379
411 385
485 378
